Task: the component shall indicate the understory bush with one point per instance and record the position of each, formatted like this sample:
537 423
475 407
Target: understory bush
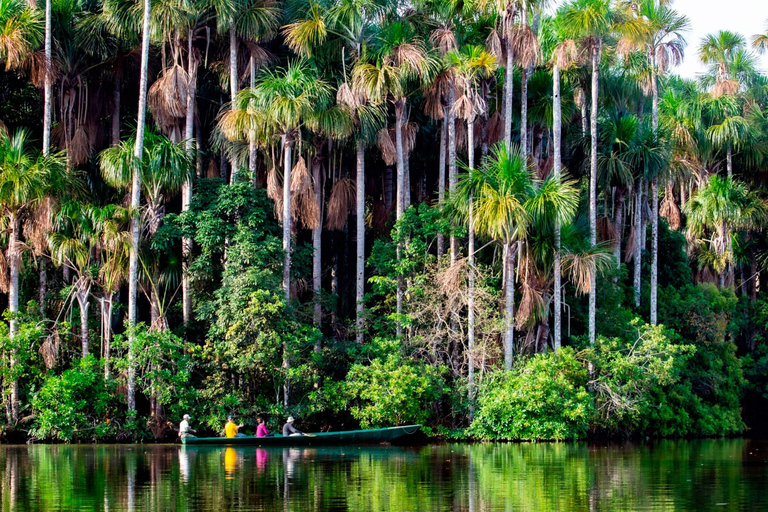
74 405
390 389
544 397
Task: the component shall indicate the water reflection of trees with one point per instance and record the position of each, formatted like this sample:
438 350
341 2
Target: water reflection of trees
665 475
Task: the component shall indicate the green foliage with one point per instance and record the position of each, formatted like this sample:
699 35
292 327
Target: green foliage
543 397
391 389
629 379
77 404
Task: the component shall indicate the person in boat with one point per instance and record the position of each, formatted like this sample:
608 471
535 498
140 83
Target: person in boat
290 430
231 430
261 429
185 431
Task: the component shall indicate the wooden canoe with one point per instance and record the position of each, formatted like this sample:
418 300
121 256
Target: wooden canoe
371 436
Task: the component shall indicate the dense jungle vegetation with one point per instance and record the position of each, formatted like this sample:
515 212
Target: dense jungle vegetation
504 220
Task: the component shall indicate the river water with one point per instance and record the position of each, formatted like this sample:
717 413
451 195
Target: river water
660 476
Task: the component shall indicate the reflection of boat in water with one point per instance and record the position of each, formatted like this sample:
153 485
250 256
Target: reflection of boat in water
371 436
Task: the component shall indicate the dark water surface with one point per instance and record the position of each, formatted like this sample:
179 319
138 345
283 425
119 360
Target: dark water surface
667 475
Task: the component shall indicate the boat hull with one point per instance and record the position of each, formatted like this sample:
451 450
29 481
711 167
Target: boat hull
372 436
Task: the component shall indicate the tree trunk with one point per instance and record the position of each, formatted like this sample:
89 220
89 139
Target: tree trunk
509 308
186 192
286 143
557 129
14 255
399 111
133 268
82 300
42 289
360 218
48 81
107 326
593 187
638 262
619 224
317 240
524 92
654 202
252 154
233 79
509 87
441 179
471 276
729 161
453 175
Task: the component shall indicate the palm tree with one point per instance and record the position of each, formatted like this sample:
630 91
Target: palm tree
719 50
255 20
400 59
660 34
21 30
719 208
760 41
591 22
283 101
165 167
506 199
564 56
25 179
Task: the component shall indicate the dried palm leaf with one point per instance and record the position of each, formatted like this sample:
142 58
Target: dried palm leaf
606 230
726 87
531 305
80 147
345 97
671 212
386 146
380 216
495 128
464 107
4 279
50 349
433 104
493 44
301 181
167 98
409 138
579 98
629 247
443 39
305 210
526 46
212 171
451 279
340 204
567 54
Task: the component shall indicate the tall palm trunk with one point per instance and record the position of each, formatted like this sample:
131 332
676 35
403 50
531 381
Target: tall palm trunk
13 304
453 175
509 306
619 224
286 143
360 218
638 222
47 123
471 275
524 93
82 300
186 191
593 186
729 160
133 266
106 326
557 129
252 154
233 78
441 179
509 88
654 202
399 112
317 241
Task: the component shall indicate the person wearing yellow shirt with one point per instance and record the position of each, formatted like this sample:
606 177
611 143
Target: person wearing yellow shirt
230 429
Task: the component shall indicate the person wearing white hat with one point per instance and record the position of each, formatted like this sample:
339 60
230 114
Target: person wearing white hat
290 430
185 432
